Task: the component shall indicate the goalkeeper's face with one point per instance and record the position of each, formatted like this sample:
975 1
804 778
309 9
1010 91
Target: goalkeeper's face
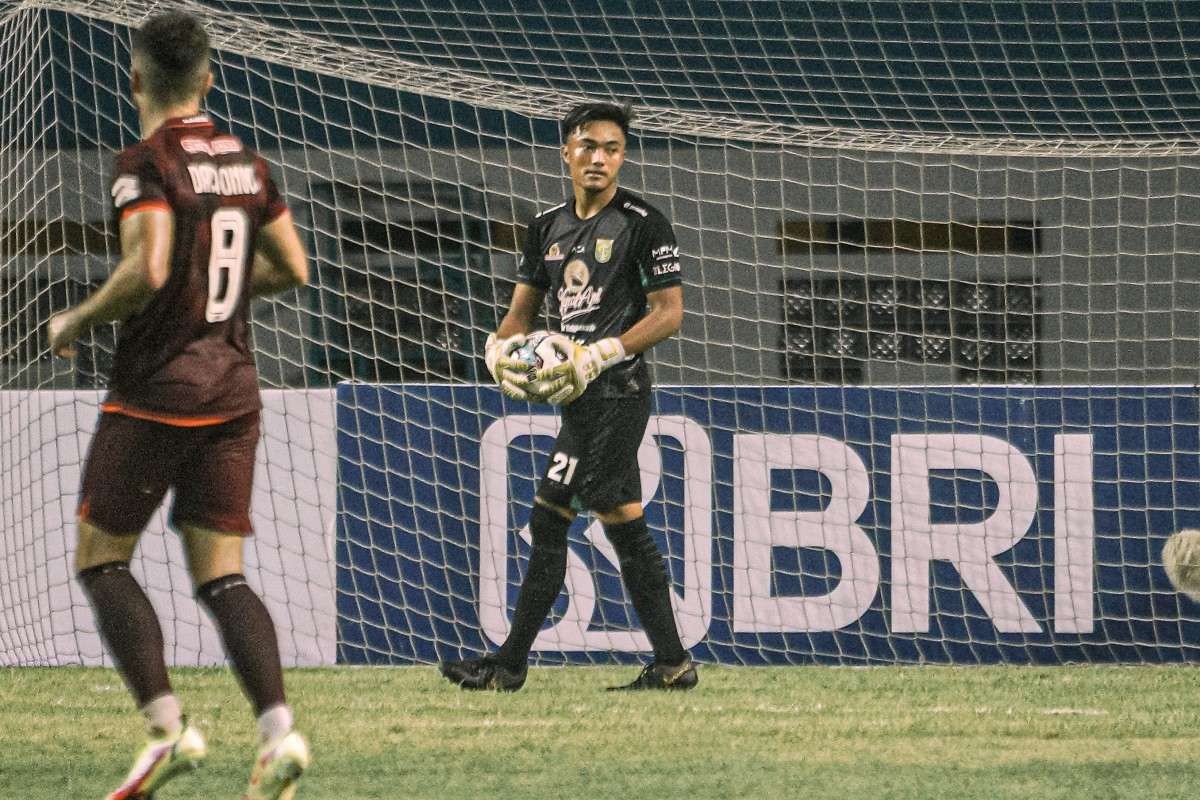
594 153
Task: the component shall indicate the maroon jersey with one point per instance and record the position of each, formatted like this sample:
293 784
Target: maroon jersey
186 358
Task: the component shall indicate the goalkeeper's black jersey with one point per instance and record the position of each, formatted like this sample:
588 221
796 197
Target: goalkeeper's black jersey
597 272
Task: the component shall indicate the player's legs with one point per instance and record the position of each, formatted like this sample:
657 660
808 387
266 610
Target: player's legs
506 669
127 622
644 573
215 563
134 639
127 471
611 487
212 514
548 524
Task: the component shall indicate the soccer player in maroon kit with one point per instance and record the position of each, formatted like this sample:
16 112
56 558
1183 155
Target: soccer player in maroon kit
203 229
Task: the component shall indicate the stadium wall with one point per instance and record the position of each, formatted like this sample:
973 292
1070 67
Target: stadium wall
1119 303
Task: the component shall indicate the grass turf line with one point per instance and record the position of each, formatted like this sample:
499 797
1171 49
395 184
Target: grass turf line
812 732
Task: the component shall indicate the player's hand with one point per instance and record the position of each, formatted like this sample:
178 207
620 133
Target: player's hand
581 364
509 373
63 330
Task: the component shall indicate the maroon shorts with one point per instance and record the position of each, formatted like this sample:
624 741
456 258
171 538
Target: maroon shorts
132 462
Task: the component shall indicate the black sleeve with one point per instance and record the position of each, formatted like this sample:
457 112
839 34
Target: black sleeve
659 264
531 267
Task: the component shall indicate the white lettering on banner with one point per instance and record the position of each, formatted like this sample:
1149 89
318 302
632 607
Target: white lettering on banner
1074 534
916 541
693 611
831 528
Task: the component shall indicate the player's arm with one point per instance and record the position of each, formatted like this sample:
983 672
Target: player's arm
510 374
662 321
280 260
146 241
532 282
523 310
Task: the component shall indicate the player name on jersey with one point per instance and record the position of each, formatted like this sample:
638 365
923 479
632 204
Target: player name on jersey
230 179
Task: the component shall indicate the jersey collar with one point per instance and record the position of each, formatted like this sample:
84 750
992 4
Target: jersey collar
613 203
198 120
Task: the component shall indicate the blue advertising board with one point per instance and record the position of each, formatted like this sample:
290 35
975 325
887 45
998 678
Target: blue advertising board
802 524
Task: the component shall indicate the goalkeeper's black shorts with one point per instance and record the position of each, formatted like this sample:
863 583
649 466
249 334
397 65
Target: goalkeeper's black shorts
594 463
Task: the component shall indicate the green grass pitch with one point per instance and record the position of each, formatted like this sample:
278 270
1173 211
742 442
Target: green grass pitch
795 732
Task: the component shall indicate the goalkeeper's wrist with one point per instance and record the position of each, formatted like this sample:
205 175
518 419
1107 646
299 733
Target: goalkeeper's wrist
607 352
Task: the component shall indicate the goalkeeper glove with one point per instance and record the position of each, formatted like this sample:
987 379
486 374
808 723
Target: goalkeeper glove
510 373
581 364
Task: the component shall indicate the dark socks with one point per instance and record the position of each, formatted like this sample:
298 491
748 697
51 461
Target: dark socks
645 575
543 581
129 627
249 637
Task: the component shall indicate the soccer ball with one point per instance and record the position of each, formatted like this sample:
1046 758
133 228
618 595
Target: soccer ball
1181 559
537 353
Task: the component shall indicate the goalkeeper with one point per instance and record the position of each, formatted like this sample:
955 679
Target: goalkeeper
611 267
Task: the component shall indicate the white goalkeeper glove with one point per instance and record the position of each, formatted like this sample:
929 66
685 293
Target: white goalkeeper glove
510 373
581 364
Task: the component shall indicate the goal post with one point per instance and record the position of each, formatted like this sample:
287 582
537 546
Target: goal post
934 397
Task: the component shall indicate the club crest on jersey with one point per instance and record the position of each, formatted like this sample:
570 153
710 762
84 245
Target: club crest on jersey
575 277
603 250
555 253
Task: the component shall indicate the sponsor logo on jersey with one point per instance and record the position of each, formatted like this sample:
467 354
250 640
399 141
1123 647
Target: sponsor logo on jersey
219 146
576 298
665 260
126 189
603 250
555 253
230 179
575 277
635 209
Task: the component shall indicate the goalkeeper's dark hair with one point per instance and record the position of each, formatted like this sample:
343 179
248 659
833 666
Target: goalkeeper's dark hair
173 51
587 113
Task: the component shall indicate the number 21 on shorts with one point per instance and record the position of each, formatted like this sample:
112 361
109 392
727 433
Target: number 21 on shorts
226 262
562 462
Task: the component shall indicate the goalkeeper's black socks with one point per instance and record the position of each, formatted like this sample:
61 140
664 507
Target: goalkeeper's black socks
249 637
130 629
543 581
645 575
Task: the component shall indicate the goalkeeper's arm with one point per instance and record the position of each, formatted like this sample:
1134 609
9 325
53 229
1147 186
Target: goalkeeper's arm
510 375
526 301
584 363
661 322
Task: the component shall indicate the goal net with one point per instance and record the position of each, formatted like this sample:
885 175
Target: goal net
934 397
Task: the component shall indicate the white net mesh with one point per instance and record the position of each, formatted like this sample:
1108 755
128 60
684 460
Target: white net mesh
982 202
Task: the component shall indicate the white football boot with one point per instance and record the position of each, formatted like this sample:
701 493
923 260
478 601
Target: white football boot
161 760
277 768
